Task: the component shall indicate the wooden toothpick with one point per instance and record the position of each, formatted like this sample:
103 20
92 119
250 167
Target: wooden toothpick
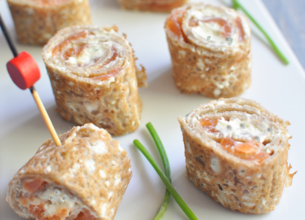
25 72
45 116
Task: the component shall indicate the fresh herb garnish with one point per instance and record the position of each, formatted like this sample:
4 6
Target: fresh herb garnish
166 165
236 6
165 178
229 40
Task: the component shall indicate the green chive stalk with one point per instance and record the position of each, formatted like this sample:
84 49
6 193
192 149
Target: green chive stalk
236 6
167 183
166 165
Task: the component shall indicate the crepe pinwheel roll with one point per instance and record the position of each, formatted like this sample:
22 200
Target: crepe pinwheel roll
152 5
36 21
210 50
84 178
236 151
94 78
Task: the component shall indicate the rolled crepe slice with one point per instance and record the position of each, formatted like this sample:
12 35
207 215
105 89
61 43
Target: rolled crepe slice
236 151
152 5
84 178
210 50
36 21
94 78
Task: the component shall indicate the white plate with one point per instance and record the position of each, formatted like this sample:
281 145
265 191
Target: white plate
279 88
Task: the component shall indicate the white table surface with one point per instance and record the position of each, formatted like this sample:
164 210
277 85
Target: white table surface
279 88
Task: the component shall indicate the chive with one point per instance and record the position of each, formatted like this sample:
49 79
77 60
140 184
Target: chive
237 5
167 183
230 40
166 165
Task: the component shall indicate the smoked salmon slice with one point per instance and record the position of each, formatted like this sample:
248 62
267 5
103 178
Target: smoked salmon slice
244 162
210 50
74 180
34 185
94 77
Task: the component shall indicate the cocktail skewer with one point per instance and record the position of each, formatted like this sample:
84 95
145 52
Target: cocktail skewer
45 116
25 72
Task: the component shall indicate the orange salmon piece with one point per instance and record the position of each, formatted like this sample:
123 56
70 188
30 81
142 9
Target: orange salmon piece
38 212
209 124
114 56
74 51
85 215
174 23
246 149
60 214
108 75
240 29
79 35
227 142
23 201
33 186
261 156
221 22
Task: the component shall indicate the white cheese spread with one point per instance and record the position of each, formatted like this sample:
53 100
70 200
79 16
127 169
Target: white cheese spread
88 54
242 130
58 200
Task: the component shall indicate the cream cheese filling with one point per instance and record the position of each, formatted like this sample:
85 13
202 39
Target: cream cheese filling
98 47
243 129
54 201
88 55
207 31
58 200
211 32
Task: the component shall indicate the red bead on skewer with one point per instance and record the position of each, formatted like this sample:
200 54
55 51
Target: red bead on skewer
23 70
